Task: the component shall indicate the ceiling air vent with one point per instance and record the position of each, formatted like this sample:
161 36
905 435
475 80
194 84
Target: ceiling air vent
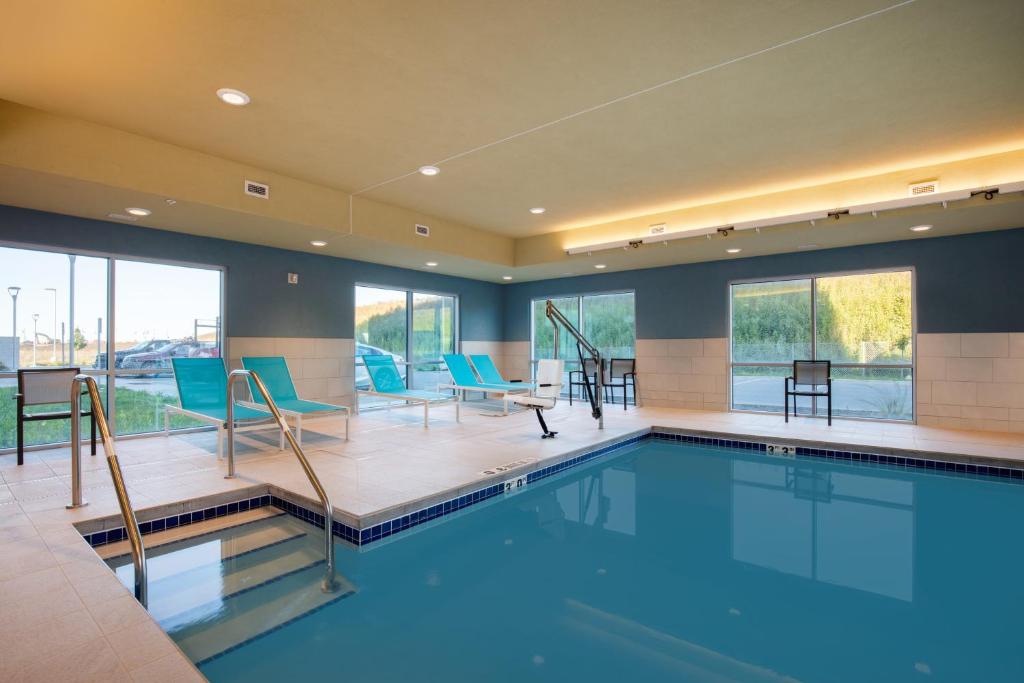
422 230
657 229
925 187
254 189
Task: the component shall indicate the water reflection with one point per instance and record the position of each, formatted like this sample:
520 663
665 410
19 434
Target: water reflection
839 527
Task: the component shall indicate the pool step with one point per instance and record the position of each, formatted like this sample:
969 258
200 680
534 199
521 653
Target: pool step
218 584
253 613
189 531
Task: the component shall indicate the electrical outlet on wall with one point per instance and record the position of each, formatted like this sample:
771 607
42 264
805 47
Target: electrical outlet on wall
293 278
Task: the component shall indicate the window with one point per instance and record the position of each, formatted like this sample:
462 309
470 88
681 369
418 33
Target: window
861 322
56 308
418 326
608 321
161 312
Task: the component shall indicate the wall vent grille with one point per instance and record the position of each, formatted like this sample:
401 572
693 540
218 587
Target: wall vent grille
254 189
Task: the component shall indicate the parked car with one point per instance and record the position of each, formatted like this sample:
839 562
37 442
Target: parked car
204 350
362 378
120 355
159 359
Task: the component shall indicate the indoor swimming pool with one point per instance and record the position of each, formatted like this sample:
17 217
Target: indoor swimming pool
661 561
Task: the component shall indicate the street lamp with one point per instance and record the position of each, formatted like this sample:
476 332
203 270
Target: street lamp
53 339
35 337
13 291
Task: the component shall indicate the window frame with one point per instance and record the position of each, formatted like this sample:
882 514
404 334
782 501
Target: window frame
813 278
581 296
110 374
409 296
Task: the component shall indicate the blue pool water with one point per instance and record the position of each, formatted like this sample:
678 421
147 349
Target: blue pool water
672 562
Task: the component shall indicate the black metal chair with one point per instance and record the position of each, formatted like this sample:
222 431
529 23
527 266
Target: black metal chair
812 374
576 376
621 374
46 386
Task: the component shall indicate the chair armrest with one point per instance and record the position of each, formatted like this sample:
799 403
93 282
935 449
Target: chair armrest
17 396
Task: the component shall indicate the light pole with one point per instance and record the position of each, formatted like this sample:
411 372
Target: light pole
13 291
35 337
53 339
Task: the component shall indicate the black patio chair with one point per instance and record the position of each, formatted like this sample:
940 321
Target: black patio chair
621 374
811 374
46 386
576 376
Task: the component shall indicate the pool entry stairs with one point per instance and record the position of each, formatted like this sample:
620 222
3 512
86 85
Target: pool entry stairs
221 583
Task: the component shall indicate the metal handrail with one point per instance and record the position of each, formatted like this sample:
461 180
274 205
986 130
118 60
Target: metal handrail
556 318
131 524
330 582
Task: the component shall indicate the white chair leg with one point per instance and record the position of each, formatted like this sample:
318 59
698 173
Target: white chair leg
458 404
346 427
426 414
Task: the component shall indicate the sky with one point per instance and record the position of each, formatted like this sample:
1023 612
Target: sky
153 300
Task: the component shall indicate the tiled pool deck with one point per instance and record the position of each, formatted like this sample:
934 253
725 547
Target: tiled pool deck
54 589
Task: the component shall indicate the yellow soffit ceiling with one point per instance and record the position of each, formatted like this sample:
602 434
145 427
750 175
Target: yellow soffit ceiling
593 110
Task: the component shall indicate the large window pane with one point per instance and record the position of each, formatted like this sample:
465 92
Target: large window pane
543 332
37 283
433 334
162 312
381 328
771 321
864 318
609 323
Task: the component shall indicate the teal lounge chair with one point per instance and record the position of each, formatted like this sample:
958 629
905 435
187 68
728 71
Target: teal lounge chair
202 391
273 370
388 383
489 372
463 379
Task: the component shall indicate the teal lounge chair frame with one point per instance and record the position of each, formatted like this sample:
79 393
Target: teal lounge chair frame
464 379
202 390
388 383
273 370
489 373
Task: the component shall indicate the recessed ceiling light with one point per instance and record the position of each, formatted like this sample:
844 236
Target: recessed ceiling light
171 202
431 264
506 277
429 170
136 211
921 228
600 266
318 243
538 210
734 250
233 97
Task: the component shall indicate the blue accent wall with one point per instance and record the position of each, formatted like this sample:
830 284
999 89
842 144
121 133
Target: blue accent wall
965 283
259 302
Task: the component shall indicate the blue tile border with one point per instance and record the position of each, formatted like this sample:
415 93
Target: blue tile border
970 470
100 538
365 536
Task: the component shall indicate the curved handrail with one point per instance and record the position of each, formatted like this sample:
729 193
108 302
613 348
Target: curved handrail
330 583
131 524
556 318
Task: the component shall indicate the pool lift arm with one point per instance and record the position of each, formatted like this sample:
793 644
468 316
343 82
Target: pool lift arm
595 392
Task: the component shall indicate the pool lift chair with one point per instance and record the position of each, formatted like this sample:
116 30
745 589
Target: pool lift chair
592 386
549 386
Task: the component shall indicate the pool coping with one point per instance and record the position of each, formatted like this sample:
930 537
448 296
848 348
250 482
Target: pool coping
361 531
